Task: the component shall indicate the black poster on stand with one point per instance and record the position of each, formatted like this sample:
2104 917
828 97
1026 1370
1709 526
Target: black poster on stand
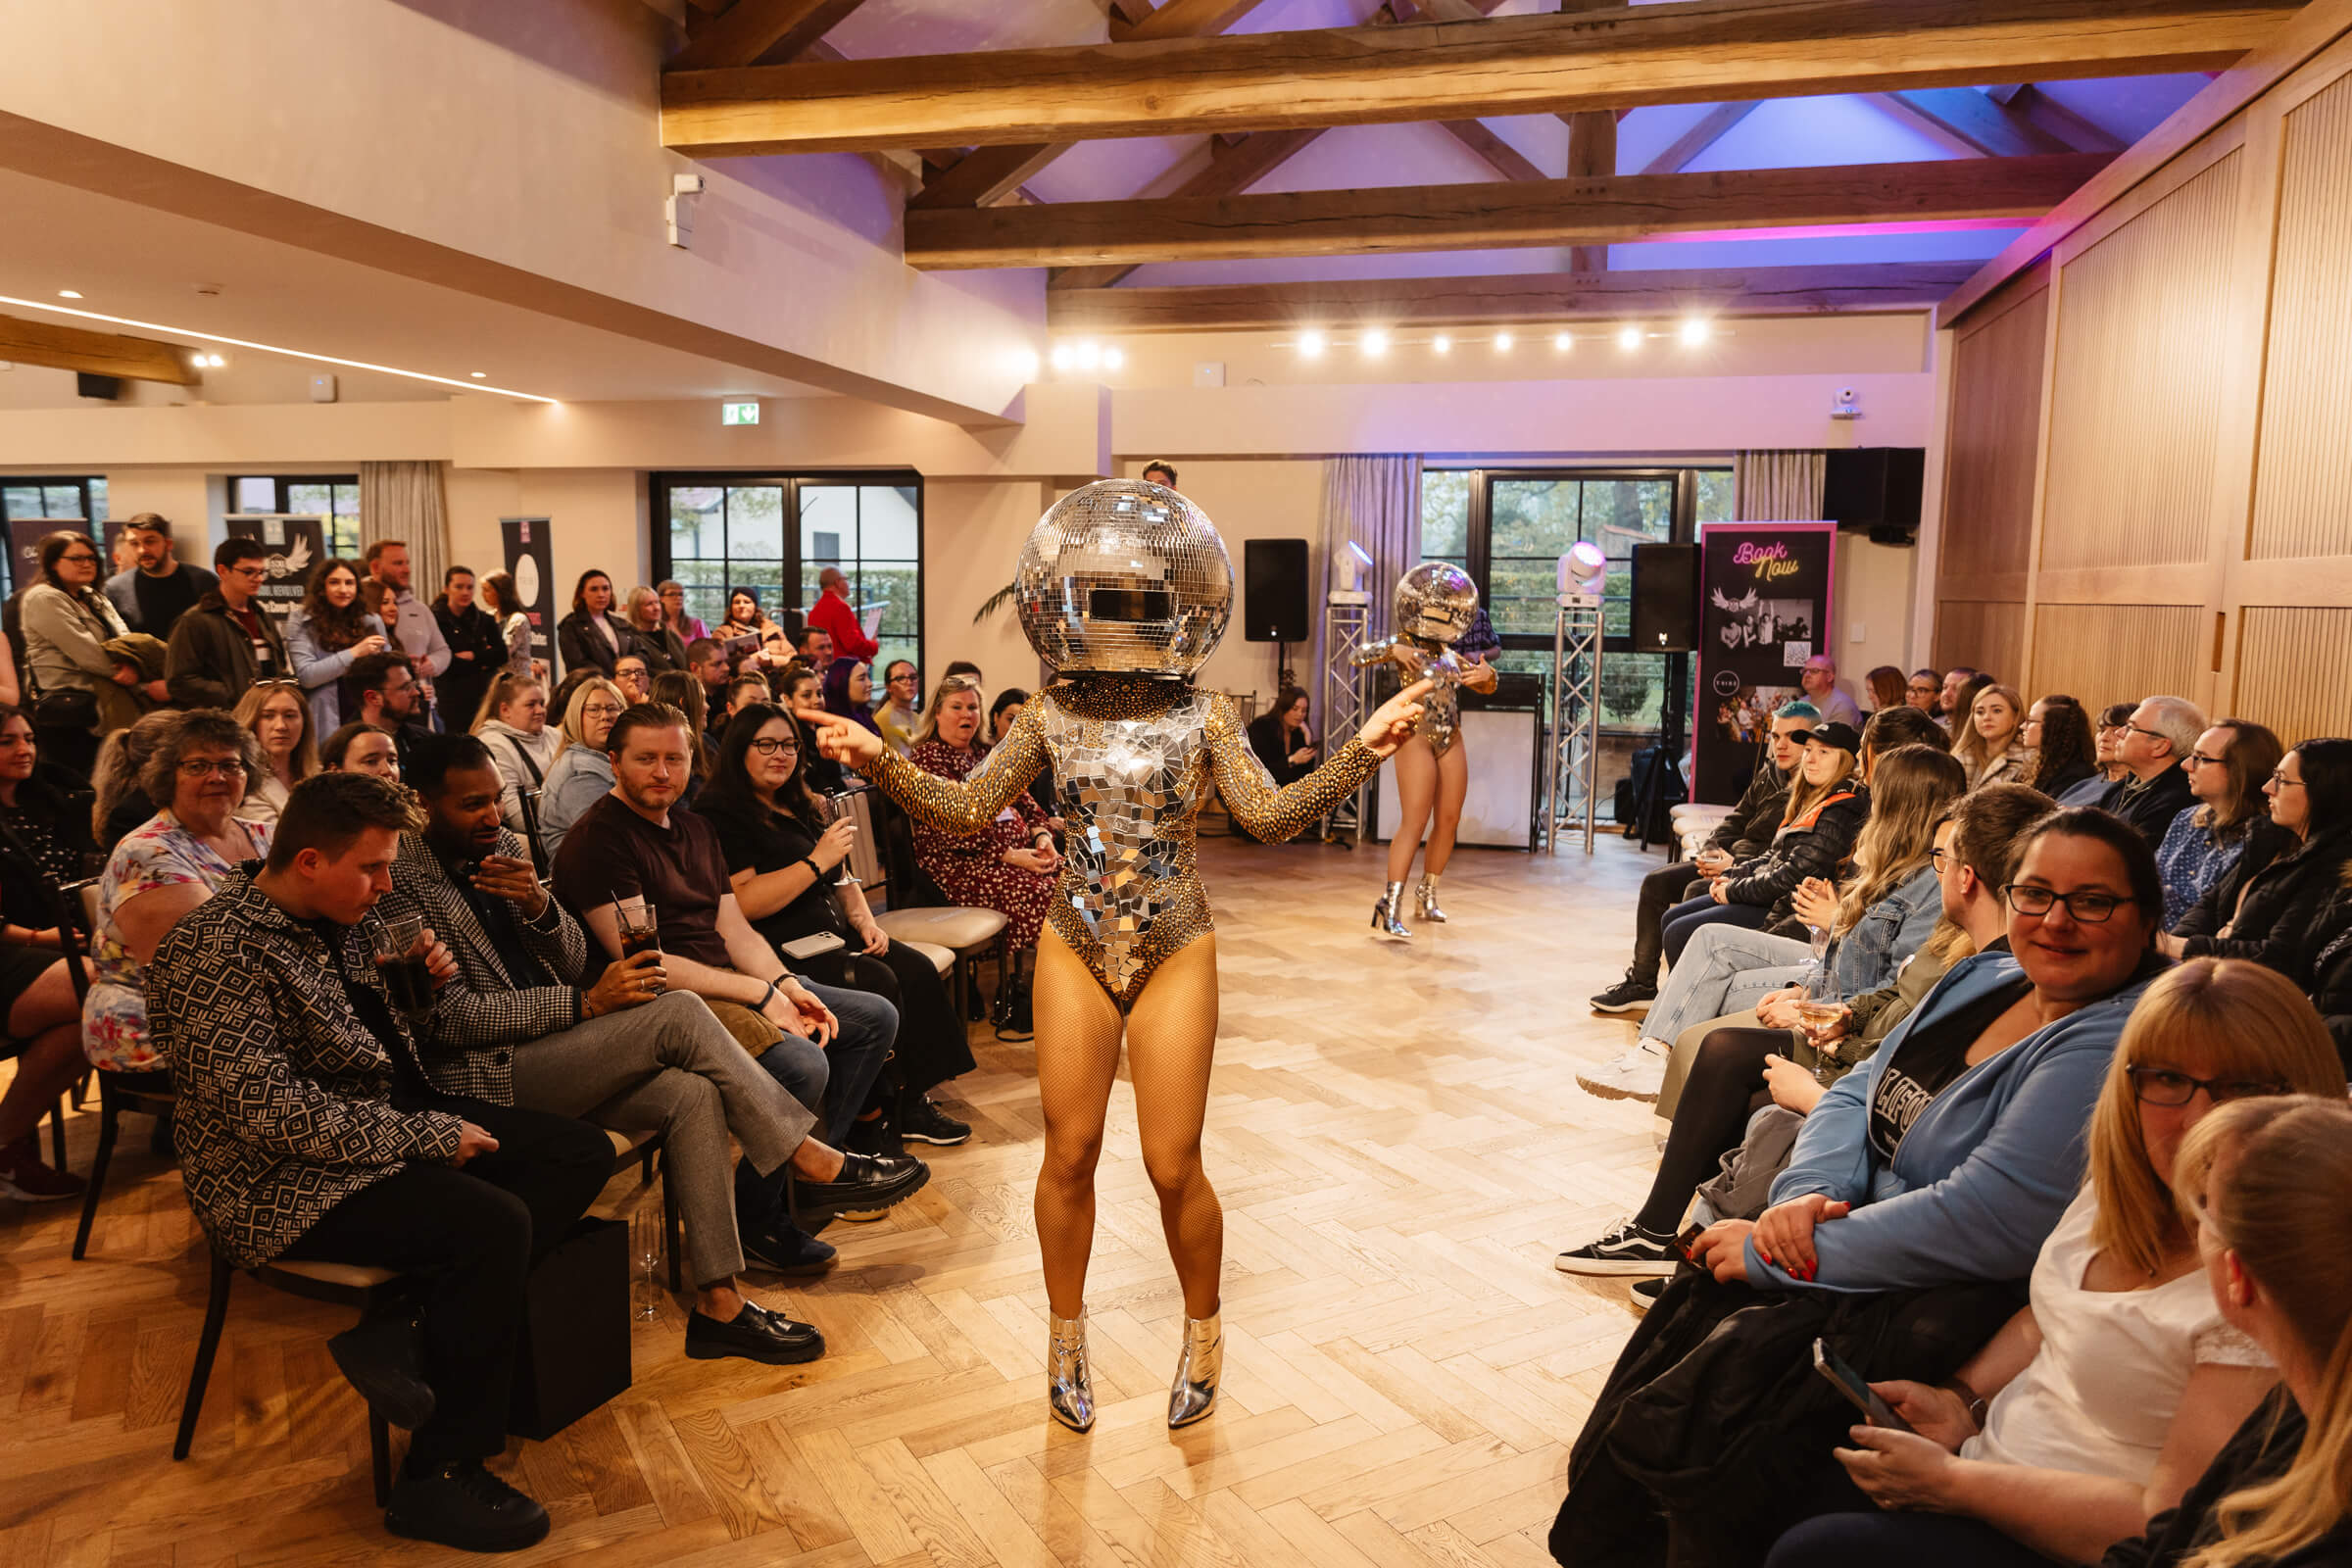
1765 602
530 561
296 546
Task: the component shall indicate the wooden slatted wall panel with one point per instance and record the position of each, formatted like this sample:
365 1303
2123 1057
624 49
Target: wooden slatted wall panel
2107 653
2136 384
1982 634
2295 670
1996 425
2303 489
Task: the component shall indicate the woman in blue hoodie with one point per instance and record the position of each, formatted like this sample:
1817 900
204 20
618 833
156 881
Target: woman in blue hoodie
1913 1206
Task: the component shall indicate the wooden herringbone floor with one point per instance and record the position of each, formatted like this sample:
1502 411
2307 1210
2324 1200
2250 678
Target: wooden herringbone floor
1400 1147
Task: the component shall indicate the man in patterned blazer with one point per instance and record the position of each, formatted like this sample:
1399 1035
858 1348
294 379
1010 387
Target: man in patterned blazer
308 1129
517 1026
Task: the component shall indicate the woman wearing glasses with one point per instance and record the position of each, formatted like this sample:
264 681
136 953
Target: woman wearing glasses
901 685
1920 1191
581 775
68 623
2227 771
201 769
2277 916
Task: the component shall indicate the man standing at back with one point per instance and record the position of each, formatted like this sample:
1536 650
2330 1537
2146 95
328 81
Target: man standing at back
226 641
415 630
159 587
836 617
2158 736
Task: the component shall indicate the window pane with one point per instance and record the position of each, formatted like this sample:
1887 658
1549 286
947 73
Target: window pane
697 527
254 495
828 535
1715 496
307 498
895 586
1445 514
98 505
62 500
756 528
23 501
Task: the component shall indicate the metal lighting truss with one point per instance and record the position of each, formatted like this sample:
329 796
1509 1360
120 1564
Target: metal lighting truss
1572 763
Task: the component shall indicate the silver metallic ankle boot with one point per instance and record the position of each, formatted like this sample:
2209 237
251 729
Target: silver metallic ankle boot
1200 1368
1069 1389
1388 915
1425 897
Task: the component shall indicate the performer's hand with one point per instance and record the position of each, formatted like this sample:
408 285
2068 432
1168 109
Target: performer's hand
1391 723
1481 677
841 741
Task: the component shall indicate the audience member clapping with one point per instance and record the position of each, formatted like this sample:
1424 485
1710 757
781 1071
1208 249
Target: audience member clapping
2154 789
581 773
43 844
2278 916
1991 744
281 722
2058 732
2227 773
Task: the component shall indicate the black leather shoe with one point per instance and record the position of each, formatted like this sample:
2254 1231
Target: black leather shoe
868 1183
462 1504
787 1250
382 1355
756 1335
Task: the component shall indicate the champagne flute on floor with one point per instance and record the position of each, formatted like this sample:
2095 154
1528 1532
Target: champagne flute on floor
645 1245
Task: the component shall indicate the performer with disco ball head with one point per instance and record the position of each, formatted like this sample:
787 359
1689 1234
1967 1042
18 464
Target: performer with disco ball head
1124 588
1441 638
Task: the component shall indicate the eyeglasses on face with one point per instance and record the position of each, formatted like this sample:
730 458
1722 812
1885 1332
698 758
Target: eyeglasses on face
79 555
1920 688
1936 857
251 571
2280 780
2131 729
2200 760
2087 908
2167 1085
601 710
211 767
769 748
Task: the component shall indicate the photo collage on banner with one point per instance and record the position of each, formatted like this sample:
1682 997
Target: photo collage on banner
296 546
1764 609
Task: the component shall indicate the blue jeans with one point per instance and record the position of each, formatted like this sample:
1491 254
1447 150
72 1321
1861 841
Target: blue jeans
1917 1540
1691 914
831 1080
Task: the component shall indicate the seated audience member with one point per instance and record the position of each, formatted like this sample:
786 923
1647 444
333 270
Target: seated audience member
803 693
2115 722
783 860
813 647
200 771
389 697
228 641
520 1023
1942 1165
360 748
559 701
2157 740
744 618
637 843
1991 744
281 722
633 675
1924 692
1013 866
689 628
1889 907
2278 916
742 692
968 670
324 635
2099 1404
1280 739
1950 707
1742 836
706 663
2228 769
581 773
594 635
1825 808
684 693
42 842
514 725
1002 713
901 685
1819 678
2332 972
119 804
2058 733
848 688
1886 687
308 1130
1892 728
661 648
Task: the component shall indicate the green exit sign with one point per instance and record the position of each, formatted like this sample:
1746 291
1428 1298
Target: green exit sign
739 414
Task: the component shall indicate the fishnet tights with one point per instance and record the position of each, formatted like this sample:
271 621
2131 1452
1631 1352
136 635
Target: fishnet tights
1171 1041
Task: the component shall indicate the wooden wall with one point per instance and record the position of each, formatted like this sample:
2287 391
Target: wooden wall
2148 474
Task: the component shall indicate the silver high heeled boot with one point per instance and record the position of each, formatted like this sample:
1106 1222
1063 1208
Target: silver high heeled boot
1200 1368
1425 897
1069 1389
1388 915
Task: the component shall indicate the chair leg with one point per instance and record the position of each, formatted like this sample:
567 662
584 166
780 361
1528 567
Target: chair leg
670 1231
645 1168
216 1312
108 1112
56 1133
379 1455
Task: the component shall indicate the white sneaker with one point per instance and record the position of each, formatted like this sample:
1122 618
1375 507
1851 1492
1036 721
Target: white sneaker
1638 1074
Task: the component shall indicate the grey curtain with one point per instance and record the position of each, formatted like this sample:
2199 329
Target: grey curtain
1376 501
404 501
1777 486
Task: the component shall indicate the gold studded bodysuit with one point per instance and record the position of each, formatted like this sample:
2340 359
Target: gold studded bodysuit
1132 760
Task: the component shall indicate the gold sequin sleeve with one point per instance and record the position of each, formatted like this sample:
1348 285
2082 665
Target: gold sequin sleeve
1272 814
971 806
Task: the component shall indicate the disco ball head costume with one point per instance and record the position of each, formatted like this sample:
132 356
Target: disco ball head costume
1124 588
1436 603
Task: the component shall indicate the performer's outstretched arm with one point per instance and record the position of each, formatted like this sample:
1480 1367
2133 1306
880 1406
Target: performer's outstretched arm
1272 815
935 801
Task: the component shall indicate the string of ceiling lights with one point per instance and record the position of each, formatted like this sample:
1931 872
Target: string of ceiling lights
1375 342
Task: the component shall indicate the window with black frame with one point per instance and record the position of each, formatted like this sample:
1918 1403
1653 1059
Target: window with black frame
44 498
716 532
332 497
1508 527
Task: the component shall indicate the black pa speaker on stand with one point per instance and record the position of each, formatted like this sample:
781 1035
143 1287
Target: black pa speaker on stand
1274 596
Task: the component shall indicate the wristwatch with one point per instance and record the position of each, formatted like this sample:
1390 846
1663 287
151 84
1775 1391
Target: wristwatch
1977 1402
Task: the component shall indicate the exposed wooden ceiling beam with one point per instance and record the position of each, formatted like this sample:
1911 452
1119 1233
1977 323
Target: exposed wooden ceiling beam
1986 127
1526 297
750 31
1591 149
1710 129
1703 51
1185 19
1614 210
78 348
1233 166
1498 155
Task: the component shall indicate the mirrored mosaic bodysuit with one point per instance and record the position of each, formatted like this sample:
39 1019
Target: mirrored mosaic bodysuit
1133 760
1440 718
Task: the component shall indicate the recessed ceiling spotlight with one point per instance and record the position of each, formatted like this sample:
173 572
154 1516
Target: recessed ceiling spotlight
1696 330
1064 356
1441 343
1114 359
1375 343
1628 337
1503 342
68 293
1563 341
1311 344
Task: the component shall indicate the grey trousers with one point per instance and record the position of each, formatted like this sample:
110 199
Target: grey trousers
671 1067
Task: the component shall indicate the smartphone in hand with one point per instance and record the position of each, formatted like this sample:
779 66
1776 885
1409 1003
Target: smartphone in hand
1856 1389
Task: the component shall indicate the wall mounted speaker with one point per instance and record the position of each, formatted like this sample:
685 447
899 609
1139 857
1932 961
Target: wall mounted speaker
1875 490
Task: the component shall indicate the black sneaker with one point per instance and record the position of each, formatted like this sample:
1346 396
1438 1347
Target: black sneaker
922 1122
1627 1250
1628 994
462 1504
1646 1294
874 1136
382 1355
787 1250
754 1334
868 1187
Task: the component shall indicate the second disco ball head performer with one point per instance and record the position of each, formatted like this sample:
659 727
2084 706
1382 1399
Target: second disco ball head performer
1125 588
1441 637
